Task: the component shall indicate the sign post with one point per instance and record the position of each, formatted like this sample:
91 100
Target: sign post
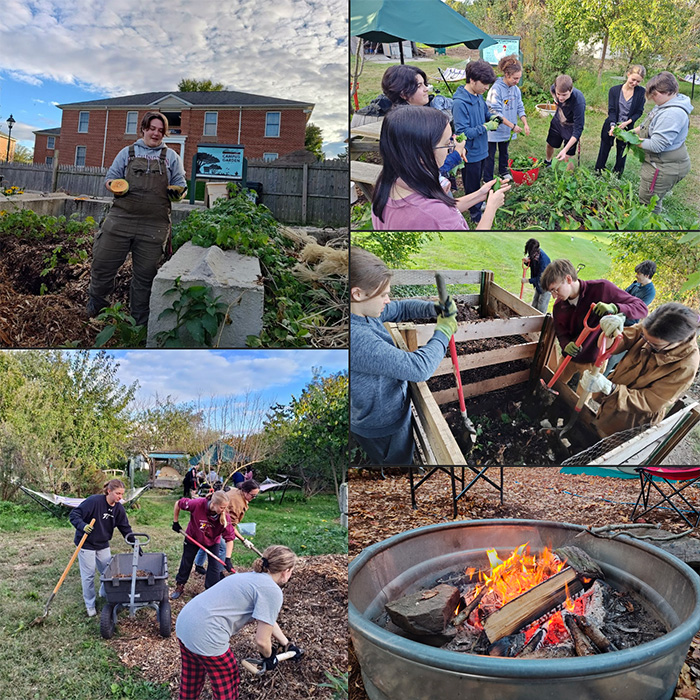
221 162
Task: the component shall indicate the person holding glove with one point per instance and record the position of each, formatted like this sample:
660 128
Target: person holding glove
108 513
660 364
238 501
573 298
208 522
380 402
473 118
206 624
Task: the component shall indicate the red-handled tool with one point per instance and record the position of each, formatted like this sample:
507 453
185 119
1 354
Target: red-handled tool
587 330
467 439
603 355
522 284
203 548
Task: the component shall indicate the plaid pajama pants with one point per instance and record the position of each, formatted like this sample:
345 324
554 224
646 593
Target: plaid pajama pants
222 671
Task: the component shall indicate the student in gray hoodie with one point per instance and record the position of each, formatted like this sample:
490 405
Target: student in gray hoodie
663 135
139 220
380 405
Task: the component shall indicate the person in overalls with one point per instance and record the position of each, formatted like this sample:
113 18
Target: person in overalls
663 135
568 121
139 220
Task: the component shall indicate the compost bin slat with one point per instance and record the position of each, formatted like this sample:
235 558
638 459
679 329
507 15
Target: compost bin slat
438 433
520 307
428 276
482 387
489 357
490 328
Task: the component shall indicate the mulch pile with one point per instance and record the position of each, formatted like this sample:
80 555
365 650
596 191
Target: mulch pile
57 317
380 508
314 615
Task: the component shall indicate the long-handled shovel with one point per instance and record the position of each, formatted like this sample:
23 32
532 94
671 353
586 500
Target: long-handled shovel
256 665
603 355
41 618
203 548
522 284
467 438
587 330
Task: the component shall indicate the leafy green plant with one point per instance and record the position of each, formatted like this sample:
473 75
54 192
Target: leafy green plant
461 138
525 163
294 309
122 327
632 141
195 311
338 682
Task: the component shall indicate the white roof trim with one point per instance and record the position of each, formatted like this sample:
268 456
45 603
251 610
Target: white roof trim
174 97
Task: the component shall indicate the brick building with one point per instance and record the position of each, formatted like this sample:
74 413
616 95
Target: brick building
3 147
92 133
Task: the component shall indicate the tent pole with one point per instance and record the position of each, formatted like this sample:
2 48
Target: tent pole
401 50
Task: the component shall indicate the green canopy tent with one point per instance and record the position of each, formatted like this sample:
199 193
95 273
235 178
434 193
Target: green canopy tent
430 22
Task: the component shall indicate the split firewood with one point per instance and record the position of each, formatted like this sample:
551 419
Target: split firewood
581 644
595 634
461 616
580 561
535 641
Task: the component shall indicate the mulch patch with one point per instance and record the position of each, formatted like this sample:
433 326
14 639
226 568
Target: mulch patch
56 317
314 615
380 508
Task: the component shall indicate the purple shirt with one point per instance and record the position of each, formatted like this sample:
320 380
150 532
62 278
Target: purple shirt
418 213
205 526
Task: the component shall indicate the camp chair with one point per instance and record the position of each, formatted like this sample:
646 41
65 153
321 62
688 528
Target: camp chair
684 476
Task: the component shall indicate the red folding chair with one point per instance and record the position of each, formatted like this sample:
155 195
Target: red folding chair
684 478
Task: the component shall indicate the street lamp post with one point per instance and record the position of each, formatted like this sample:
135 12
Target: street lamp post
10 124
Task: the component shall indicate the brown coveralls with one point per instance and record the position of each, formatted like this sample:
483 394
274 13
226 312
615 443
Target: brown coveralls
138 221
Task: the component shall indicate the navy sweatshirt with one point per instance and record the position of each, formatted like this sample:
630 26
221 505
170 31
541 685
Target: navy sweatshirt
106 519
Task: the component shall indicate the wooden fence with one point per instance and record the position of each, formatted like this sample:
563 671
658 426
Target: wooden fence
297 193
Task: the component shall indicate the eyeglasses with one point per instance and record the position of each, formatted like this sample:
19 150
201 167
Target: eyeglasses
654 346
450 147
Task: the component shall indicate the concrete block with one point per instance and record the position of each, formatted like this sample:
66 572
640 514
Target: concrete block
233 277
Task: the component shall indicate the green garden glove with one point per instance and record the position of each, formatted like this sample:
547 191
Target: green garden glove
447 324
448 309
572 349
88 529
601 308
491 125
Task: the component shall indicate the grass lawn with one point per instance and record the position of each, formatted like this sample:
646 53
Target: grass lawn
682 203
66 657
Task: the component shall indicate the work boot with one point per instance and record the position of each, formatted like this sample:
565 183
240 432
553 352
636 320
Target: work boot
179 590
199 569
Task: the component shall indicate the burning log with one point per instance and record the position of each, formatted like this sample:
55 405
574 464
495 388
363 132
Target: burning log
546 596
463 615
581 644
508 646
535 641
595 634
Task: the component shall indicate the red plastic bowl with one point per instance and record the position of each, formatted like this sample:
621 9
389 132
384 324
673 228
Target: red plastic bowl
526 177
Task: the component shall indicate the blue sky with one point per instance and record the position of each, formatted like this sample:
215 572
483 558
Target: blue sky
55 52
200 375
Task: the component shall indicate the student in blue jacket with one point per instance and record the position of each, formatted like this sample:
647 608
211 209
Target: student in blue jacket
505 100
380 404
537 260
473 118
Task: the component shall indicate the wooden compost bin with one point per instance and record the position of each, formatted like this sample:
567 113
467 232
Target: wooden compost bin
512 316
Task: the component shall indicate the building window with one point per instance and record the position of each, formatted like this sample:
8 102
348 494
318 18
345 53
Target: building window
80 152
272 124
50 143
210 121
271 156
49 160
83 122
131 122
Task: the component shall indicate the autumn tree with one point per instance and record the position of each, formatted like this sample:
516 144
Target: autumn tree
313 141
309 435
194 85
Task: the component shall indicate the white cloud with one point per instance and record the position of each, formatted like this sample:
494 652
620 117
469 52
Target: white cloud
291 49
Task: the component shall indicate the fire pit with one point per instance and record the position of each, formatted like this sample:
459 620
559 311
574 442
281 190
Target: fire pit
397 668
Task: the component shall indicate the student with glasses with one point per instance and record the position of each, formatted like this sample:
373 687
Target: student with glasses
661 363
414 143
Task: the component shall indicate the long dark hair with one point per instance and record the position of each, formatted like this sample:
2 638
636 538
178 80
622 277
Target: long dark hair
399 82
406 144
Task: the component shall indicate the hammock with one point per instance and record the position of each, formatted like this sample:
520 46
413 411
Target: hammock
272 485
65 502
